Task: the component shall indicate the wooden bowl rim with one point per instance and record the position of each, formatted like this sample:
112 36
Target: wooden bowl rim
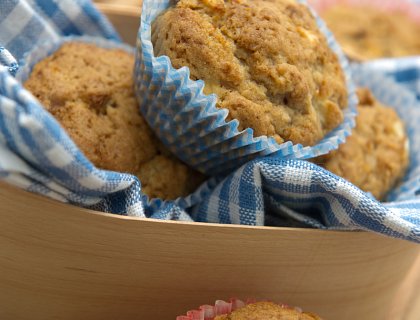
57 205
119 9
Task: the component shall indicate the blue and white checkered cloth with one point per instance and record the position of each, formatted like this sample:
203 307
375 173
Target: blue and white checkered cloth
25 24
274 191
37 155
405 71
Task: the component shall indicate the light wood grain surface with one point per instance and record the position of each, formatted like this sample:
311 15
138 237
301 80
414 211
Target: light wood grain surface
63 262
125 18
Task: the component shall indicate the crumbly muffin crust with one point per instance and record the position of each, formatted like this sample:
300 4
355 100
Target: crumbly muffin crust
376 155
265 59
367 33
267 311
89 90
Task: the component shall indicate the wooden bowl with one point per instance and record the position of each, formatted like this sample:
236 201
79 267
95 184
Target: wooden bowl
125 18
62 262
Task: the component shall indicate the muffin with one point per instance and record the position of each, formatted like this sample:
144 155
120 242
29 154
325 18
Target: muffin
267 311
238 310
366 32
268 63
376 155
89 90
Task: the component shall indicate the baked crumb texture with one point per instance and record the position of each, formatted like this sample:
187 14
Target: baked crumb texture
267 311
376 155
266 60
371 33
89 90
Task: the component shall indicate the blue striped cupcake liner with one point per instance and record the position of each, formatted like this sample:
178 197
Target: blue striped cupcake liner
192 127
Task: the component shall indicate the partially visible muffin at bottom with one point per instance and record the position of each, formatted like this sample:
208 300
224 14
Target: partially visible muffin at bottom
267 311
376 155
89 90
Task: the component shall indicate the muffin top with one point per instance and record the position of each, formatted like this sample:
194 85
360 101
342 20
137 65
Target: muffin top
267 311
376 155
266 60
366 33
89 90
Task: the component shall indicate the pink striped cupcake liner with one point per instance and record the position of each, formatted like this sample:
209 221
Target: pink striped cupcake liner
221 307
409 8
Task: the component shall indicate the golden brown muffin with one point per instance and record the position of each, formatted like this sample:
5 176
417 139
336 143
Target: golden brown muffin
266 60
376 155
267 311
89 90
367 33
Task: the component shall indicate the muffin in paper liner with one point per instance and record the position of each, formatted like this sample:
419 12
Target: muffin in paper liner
193 128
352 35
152 206
221 307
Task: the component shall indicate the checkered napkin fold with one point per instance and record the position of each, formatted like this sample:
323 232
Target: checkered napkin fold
36 154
